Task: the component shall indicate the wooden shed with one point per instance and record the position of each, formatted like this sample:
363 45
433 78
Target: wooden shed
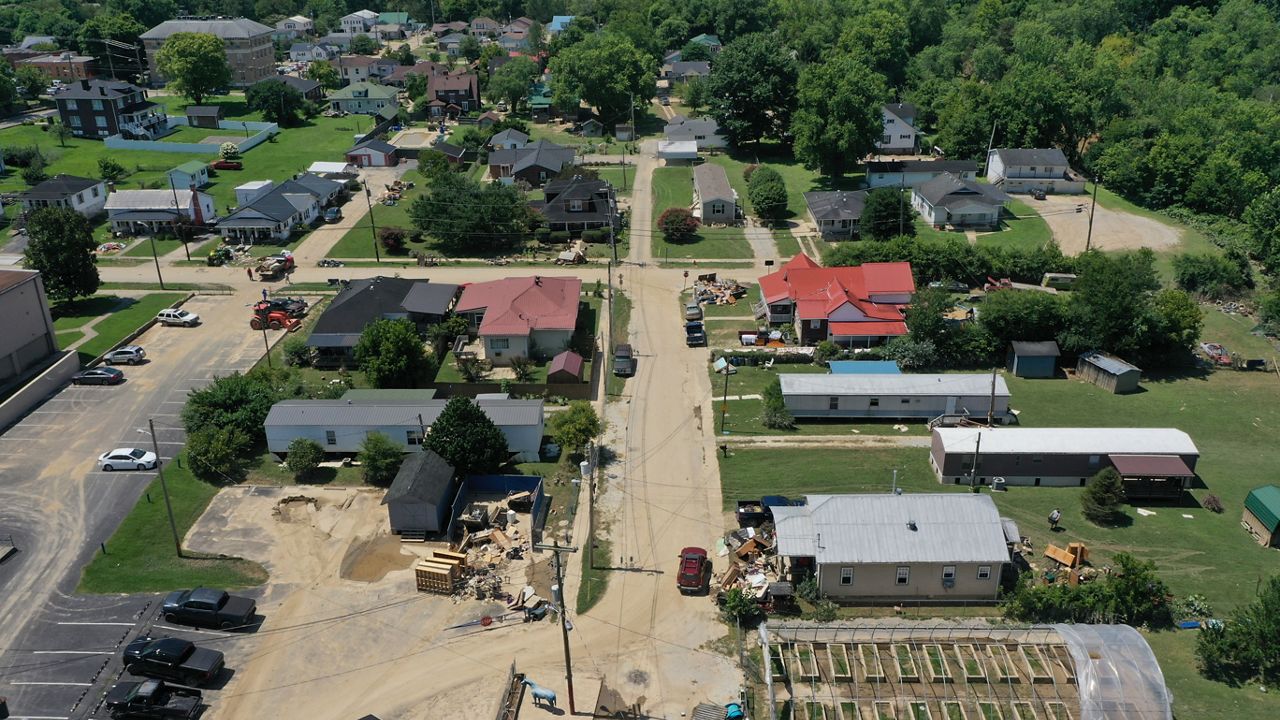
1108 372
565 368
204 116
1033 359
1262 514
420 498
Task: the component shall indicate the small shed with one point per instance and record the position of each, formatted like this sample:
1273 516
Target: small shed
420 497
190 174
624 132
565 368
1262 514
864 367
488 119
591 127
1033 359
204 116
1108 372
373 153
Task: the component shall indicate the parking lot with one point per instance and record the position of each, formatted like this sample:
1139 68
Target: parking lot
61 650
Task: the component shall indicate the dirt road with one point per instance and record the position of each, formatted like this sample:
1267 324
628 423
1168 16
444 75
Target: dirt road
1112 229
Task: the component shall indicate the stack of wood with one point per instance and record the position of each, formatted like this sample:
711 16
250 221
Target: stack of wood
441 572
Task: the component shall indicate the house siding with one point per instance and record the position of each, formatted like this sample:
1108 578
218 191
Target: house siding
878 581
1057 470
524 440
892 406
417 515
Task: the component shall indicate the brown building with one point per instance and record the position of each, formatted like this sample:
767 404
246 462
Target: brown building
101 108
65 66
28 336
250 52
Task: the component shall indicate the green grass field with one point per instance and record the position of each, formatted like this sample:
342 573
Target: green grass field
68 338
788 245
124 315
163 246
1021 229
140 557
797 178
673 187
615 385
614 176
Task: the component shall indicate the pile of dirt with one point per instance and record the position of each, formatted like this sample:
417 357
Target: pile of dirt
370 559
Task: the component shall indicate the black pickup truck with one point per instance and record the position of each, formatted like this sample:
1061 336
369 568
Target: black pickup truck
754 513
208 608
172 659
152 700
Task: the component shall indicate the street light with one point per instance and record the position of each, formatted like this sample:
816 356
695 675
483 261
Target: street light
164 487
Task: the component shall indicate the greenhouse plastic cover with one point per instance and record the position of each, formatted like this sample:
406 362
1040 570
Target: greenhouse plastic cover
1116 673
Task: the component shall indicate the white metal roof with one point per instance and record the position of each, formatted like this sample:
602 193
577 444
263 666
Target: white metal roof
929 527
148 200
1048 441
330 167
891 384
393 413
678 149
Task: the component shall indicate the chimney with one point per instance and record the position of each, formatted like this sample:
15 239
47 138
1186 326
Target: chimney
537 280
911 525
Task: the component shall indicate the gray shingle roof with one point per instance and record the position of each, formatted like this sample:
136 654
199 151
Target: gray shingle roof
429 298
1031 156
225 28
423 476
376 146
58 187
204 110
947 189
836 204
925 528
904 111
97 90
360 303
542 154
359 413
711 183
509 136
1047 348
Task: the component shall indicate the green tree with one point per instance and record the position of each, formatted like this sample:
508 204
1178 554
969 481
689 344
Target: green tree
195 65
573 428
470 218
110 170
34 174
467 439
61 249
61 132
448 329
912 353
1176 322
776 415
752 87
362 44
1262 218
878 39
217 454
1243 649
470 48
511 81
296 351
1110 306
325 74
837 119
693 52
31 81
886 213
740 608
121 27
229 151
404 55
391 355
147 12
607 71
678 225
279 103
768 193
8 92
694 93
235 401
1102 497
380 459
1029 316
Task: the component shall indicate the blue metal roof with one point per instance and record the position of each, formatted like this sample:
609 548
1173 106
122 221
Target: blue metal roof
864 367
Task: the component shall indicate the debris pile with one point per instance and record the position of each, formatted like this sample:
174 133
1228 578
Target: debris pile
753 566
710 291
491 551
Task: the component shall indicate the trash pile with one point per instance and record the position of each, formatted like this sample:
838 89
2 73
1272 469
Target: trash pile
710 291
753 567
110 247
491 551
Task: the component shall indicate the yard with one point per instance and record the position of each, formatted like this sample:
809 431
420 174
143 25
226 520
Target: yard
797 178
1021 228
673 187
123 315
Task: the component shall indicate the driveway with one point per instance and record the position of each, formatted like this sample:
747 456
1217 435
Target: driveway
322 239
1068 219
58 507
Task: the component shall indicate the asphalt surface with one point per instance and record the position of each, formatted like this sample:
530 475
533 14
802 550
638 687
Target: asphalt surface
59 651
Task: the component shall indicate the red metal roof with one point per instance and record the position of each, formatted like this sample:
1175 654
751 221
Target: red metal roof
819 291
567 361
516 306
1156 466
872 328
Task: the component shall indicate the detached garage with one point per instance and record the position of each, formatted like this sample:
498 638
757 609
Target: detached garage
419 499
373 153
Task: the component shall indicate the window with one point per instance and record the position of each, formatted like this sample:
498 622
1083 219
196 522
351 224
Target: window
888 121
575 205
96 104
1032 168
884 139
875 402
844 224
833 403
79 197
330 437
1093 461
904 574
846 576
499 343
100 120
413 437
94 189
904 137
984 572
948 572
75 121
71 104
906 401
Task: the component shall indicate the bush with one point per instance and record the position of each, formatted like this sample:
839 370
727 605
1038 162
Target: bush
1213 276
228 151
740 608
523 369
296 352
380 459
595 235
807 589
33 175
678 225
1212 503
216 453
825 611
559 237
393 238
767 193
1131 594
1244 647
541 235
22 156
825 351
911 354
1100 502
304 457
776 415
239 402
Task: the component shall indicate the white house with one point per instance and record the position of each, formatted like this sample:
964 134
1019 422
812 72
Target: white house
149 211
703 131
270 212
914 173
948 200
900 135
1016 170
293 27
714 198
308 52
84 195
522 316
892 396
190 174
358 22
340 426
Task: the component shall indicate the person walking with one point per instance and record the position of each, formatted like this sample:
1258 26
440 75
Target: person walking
1054 518
249 270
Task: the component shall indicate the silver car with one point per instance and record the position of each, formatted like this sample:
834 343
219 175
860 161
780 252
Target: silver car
128 355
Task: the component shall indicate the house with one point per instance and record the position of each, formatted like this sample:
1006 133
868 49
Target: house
249 49
361 302
703 131
677 152
520 24
308 52
340 426
452 44
452 94
1033 359
558 24
421 496
359 22
84 195
624 133
711 41
373 153
328 191
102 108
836 213
679 71
850 306
457 27
485 27
894 396
1108 372
65 66
1019 170
934 547
399 75
532 164
948 200
189 175
540 100
1155 462
1262 515
28 338
400 20
272 212
309 89
576 204
362 68
714 199
565 368
292 27
899 136
204 116
151 211
383 32
336 42
522 316
488 118
363 97
590 127
514 41
914 173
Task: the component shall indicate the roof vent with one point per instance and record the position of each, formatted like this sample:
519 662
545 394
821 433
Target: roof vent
911 525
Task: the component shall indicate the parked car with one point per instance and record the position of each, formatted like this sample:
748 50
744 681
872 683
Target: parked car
227 165
694 333
1216 353
172 659
694 575
285 258
177 316
152 699
126 458
954 286
98 376
128 355
208 608
333 215
692 311
624 361
664 100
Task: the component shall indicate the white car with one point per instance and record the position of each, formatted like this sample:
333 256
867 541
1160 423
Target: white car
177 316
127 459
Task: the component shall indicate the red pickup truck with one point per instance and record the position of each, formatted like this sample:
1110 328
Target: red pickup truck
227 165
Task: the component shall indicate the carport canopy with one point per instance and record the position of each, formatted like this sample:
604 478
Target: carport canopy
1151 466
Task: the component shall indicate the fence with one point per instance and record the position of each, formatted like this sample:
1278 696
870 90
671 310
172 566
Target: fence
504 485
264 130
571 391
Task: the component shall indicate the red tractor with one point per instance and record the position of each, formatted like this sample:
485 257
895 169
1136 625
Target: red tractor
265 315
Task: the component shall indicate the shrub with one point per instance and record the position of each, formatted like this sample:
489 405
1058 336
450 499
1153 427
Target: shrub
33 175
523 369
304 457
1212 503
776 415
1100 502
678 225
808 589
380 459
767 193
740 608
228 151
22 156
216 453
1132 594
825 351
595 235
825 611
748 171
1213 276
296 352
469 368
559 237
542 235
1244 648
393 238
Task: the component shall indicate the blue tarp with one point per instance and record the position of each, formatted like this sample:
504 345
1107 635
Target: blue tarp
864 367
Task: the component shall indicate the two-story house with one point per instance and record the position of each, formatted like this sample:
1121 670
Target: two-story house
363 68
359 22
452 95
485 27
899 136
576 204
1018 170
102 108
533 164
852 306
308 52
362 97
293 27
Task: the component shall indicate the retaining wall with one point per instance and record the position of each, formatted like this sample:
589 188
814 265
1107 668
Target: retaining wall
41 387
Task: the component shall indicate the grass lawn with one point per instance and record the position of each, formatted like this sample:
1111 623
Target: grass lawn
742 308
68 338
788 245
358 241
73 315
1021 229
776 471
798 179
163 246
614 176
673 187
140 558
264 470
124 315
194 136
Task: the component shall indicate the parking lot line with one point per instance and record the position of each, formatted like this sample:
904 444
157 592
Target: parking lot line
39 717
68 684
184 629
70 652
122 624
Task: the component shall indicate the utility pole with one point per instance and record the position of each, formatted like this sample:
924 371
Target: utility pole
990 143
724 402
991 405
902 186
156 258
422 429
176 215
373 229
173 526
1088 238
613 212
265 342
973 469
608 276
556 549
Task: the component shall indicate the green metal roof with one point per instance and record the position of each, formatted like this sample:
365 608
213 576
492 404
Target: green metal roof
191 168
373 92
1264 503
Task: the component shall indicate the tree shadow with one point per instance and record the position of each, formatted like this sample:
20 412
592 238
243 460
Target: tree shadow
91 307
